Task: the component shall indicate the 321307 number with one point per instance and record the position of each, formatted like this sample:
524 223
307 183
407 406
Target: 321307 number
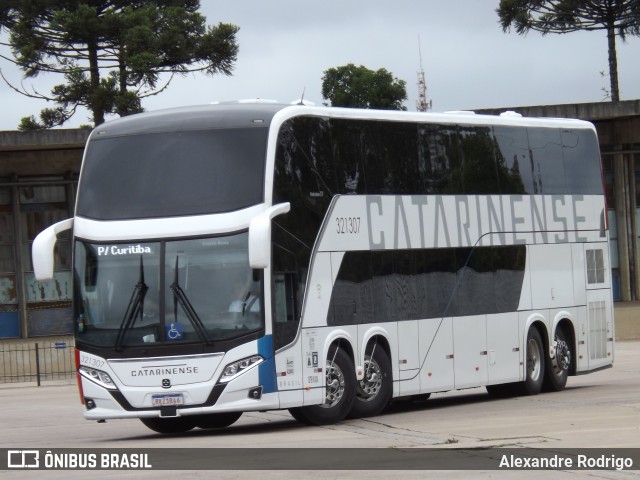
346 225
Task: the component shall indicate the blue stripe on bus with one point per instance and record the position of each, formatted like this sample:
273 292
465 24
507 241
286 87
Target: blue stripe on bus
267 369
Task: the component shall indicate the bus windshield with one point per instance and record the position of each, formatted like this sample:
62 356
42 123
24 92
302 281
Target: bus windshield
200 290
172 173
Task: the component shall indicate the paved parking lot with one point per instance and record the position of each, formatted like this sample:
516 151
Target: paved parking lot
596 410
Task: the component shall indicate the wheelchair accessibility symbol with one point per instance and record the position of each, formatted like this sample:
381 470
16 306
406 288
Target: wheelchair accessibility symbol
174 331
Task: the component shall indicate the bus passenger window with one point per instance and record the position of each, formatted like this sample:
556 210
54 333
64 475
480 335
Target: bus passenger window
284 297
285 315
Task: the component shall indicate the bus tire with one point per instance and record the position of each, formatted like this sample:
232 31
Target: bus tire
169 425
422 397
297 414
534 363
340 390
374 391
557 372
217 420
503 390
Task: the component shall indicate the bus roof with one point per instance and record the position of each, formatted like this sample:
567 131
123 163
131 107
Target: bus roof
200 117
458 117
241 114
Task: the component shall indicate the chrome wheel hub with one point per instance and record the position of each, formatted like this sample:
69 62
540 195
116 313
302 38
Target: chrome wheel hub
534 366
371 384
334 385
562 358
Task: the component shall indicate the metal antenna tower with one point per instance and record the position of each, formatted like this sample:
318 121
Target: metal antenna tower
423 103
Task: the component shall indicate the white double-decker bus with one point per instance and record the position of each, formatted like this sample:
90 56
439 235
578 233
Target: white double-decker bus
245 257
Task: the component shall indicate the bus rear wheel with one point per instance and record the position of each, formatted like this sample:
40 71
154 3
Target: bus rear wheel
374 391
503 390
217 420
340 391
534 364
558 367
169 425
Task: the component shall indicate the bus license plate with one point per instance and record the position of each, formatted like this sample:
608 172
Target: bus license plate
167 399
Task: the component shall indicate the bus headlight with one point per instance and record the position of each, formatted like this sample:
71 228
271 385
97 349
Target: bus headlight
237 368
98 376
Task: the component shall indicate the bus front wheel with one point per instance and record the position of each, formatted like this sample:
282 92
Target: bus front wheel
217 420
340 391
374 391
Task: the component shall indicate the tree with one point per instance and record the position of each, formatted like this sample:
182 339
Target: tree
616 17
112 53
359 87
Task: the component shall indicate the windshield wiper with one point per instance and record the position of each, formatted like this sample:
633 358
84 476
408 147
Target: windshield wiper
134 309
179 297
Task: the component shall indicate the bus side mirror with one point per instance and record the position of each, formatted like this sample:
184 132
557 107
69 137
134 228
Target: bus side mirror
260 235
42 249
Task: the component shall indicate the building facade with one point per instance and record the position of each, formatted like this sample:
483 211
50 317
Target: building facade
38 179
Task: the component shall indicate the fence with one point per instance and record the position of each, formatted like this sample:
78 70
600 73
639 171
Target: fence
37 362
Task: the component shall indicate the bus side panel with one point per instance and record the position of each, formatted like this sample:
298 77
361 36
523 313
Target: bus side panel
579 273
436 339
551 275
318 296
316 345
582 340
503 348
409 357
600 330
289 375
470 355
408 348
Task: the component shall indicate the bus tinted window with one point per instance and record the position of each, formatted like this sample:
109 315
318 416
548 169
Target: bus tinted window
512 150
548 161
162 175
440 158
397 151
581 162
403 158
479 169
385 286
547 166
489 280
353 147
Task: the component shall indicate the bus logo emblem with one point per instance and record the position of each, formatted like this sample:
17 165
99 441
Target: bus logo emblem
23 458
166 383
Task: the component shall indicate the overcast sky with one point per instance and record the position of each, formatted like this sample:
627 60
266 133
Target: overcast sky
286 45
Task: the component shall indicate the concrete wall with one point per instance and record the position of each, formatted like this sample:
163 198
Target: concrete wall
42 152
583 111
627 316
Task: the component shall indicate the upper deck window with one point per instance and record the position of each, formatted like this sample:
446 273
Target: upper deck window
172 174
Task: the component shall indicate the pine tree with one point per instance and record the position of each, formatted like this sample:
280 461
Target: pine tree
616 17
111 53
